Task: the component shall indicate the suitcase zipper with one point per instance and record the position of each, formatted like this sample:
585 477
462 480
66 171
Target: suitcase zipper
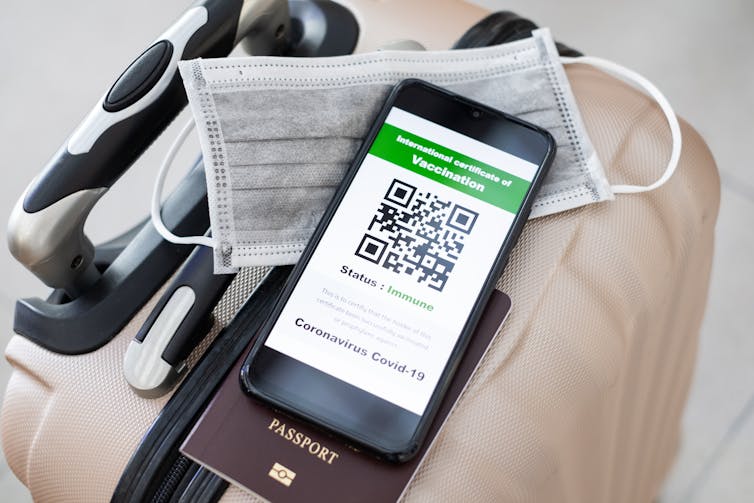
203 486
173 479
156 469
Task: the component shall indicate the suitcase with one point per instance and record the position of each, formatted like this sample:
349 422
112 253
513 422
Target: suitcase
579 398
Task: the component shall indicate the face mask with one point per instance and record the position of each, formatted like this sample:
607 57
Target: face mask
277 134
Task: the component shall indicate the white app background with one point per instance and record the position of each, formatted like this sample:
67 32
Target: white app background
384 344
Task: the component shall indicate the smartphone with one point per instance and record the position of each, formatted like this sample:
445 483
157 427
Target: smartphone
374 318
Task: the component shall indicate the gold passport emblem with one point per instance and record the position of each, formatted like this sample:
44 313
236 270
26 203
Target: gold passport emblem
282 474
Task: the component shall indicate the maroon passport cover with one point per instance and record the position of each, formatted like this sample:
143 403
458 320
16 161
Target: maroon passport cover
286 460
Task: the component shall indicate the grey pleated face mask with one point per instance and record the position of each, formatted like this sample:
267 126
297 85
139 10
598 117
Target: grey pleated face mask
278 134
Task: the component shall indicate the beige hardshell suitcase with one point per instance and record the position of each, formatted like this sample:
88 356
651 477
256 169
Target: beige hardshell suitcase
578 400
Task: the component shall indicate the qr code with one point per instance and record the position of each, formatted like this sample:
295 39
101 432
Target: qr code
417 233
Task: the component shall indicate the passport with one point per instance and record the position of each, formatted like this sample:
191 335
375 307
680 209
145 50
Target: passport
283 460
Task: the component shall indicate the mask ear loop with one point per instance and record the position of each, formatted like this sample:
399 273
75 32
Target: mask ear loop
156 214
675 129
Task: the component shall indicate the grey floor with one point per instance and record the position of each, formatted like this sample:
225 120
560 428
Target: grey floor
59 56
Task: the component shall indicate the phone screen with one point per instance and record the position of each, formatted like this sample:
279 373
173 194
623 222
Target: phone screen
397 271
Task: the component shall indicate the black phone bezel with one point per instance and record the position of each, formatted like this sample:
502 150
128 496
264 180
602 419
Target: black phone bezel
420 98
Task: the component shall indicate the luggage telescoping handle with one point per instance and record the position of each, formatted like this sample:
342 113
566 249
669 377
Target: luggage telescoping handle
46 228
156 357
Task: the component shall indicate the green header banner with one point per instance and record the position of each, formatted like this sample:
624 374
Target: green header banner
448 167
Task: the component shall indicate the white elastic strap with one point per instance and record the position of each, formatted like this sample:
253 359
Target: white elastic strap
675 129
157 195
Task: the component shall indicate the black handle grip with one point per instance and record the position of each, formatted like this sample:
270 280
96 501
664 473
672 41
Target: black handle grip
137 108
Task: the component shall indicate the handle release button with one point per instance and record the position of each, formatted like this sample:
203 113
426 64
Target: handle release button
139 77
